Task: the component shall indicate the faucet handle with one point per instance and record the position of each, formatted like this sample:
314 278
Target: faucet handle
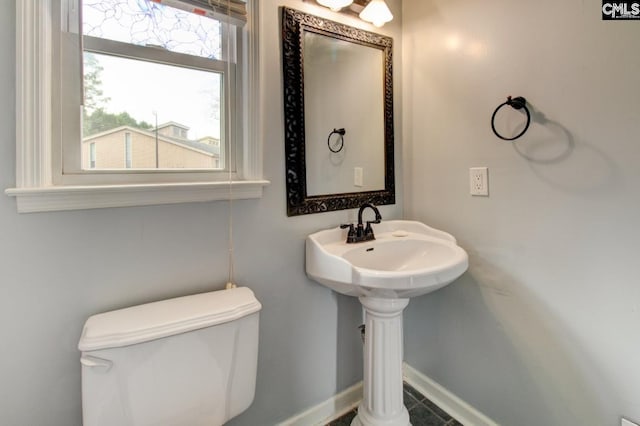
351 235
352 230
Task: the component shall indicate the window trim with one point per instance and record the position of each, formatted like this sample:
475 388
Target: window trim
36 190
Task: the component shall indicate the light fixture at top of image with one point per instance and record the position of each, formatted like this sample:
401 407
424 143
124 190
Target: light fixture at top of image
377 12
335 5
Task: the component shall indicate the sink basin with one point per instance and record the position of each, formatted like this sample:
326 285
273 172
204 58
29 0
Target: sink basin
406 259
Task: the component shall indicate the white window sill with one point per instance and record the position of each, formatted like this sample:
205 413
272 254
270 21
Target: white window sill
57 198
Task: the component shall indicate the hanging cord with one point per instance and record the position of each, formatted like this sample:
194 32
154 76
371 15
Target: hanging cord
230 280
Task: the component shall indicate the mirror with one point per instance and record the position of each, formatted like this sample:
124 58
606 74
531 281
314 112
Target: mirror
338 113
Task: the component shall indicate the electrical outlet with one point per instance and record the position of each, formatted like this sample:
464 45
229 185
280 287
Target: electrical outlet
478 181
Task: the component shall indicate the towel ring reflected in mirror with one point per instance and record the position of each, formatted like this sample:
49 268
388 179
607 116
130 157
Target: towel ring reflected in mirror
338 142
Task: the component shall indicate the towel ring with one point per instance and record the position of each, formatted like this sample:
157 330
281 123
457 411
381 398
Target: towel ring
515 103
340 141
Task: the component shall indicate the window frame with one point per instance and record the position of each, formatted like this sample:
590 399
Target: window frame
40 183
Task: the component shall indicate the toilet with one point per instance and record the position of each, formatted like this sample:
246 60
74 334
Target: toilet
186 361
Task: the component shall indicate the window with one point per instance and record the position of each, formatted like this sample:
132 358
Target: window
164 62
54 172
146 61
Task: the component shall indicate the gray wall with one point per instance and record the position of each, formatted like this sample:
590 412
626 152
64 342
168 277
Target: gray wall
56 269
543 328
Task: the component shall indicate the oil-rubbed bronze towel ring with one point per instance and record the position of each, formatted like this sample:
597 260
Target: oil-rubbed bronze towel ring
337 147
516 103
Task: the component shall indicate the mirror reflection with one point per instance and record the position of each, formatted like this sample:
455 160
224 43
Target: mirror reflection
340 77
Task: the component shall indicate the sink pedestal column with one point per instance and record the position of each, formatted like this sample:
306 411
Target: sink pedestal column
382 402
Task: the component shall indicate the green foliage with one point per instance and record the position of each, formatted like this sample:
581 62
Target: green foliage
93 95
95 118
100 121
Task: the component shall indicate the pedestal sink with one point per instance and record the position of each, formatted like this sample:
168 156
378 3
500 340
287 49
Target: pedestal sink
406 259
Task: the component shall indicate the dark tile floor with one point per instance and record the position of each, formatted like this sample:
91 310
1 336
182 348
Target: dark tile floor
422 412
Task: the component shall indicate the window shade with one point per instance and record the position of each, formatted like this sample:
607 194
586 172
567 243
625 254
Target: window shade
233 11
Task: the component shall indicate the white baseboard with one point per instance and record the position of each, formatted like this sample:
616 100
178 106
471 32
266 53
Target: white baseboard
456 407
349 399
328 410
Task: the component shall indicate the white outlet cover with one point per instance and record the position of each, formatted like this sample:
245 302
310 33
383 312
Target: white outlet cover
625 422
478 181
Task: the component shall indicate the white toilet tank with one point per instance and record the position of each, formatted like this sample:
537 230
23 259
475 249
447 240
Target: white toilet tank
185 361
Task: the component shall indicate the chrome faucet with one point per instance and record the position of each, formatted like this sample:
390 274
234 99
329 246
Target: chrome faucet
362 233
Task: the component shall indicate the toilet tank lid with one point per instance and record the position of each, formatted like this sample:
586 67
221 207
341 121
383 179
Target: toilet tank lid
155 320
